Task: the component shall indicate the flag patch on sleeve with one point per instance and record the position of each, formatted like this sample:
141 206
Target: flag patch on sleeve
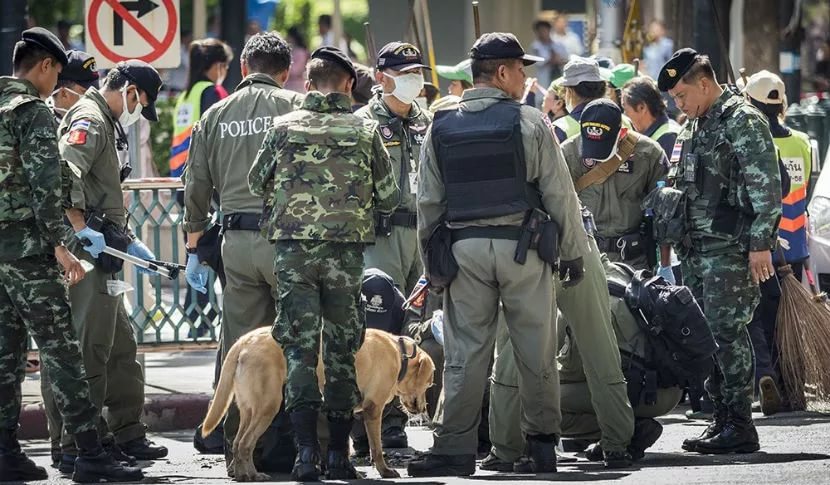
77 132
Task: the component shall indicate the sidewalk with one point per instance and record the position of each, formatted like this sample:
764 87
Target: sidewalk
178 387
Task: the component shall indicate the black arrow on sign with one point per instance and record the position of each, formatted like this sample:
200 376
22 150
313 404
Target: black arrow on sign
141 7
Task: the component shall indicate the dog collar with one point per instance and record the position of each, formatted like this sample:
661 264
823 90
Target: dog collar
405 357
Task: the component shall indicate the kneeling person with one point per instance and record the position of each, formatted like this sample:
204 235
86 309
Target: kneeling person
322 171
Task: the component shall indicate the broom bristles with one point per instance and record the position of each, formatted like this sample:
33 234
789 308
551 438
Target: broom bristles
803 336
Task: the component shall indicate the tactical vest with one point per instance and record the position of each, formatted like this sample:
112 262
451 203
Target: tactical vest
796 154
187 113
482 160
15 204
568 124
713 196
670 127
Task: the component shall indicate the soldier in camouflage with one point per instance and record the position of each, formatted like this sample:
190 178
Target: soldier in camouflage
322 171
33 298
725 164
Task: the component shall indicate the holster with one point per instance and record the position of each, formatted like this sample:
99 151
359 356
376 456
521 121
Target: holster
547 242
114 236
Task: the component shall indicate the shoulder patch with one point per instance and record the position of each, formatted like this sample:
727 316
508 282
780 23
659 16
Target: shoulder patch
78 131
79 125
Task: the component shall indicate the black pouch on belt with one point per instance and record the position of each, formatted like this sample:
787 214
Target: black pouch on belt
547 243
116 238
630 246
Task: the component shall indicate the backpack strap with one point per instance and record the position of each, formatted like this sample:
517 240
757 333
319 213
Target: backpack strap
604 170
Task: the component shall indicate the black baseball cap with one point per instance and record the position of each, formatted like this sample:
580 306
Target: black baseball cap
599 128
47 41
384 301
146 78
80 69
337 56
675 68
501 45
400 56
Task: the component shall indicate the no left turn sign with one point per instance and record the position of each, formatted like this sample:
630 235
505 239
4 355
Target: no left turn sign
118 30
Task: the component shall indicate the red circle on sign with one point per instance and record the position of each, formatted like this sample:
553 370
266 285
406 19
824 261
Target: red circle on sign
95 35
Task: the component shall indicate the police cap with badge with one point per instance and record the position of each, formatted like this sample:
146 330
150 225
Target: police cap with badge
146 79
384 301
400 56
675 68
80 69
40 37
335 55
599 129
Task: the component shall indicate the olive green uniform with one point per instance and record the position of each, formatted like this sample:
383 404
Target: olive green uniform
397 254
592 327
488 275
224 144
87 142
616 203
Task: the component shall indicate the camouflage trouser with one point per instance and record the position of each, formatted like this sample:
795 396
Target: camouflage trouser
319 283
33 301
723 286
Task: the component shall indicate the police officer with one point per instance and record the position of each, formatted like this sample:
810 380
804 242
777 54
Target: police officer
766 91
579 419
91 136
33 299
582 84
224 144
642 103
74 80
727 170
486 166
613 169
402 125
322 170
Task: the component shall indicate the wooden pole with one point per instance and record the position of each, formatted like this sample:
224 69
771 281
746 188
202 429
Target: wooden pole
476 20
430 47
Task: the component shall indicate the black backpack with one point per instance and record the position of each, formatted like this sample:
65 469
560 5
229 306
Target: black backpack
680 343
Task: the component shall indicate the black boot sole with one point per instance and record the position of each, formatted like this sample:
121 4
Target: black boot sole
770 397
743 448
24 477
305 472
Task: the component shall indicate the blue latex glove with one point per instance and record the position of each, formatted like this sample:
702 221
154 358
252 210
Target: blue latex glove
196 273
92 241
140 250
667 274
437 326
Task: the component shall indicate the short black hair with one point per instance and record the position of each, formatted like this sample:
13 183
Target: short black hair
26 56
541 23
267 53
114 80
701 67
324 19
642 90
485 69
590 89
322 72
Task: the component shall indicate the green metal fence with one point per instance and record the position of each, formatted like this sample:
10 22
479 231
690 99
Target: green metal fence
165 311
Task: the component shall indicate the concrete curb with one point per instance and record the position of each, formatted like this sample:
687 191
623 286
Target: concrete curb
162 412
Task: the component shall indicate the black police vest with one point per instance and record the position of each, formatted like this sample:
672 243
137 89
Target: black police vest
482 161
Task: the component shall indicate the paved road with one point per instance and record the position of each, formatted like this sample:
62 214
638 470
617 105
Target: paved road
795 448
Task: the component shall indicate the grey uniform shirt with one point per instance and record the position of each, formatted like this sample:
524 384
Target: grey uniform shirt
223 147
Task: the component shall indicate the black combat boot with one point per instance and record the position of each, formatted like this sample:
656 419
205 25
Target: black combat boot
95 465
15 466
432 465
737 436
719 417
143 449
646 432
338 466
115 451
540 455
307 464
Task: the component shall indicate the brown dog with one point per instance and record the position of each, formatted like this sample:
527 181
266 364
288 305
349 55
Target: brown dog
254 373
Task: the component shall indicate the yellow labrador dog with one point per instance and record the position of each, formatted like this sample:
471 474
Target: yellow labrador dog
254 373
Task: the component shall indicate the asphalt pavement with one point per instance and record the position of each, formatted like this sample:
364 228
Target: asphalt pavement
794 450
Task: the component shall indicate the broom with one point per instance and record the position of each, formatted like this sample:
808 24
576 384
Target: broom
803 336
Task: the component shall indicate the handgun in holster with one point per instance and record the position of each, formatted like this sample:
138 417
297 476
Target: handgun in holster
530 234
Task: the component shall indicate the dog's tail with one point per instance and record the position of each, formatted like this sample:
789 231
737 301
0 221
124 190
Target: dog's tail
223 395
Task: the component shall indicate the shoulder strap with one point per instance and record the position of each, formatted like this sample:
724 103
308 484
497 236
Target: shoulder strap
601 172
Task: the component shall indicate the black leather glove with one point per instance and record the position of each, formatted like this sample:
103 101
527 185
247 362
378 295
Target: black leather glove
571 272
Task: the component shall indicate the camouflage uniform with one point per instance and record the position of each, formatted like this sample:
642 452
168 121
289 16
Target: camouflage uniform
616 202
33 299
397 254
322 171
727 169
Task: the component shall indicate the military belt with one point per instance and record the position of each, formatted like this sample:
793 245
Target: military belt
241 221
512 233
404 218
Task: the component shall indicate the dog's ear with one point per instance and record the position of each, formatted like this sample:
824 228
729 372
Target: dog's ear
425 368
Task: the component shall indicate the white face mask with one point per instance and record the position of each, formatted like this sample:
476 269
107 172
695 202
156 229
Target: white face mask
126 118
407 87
